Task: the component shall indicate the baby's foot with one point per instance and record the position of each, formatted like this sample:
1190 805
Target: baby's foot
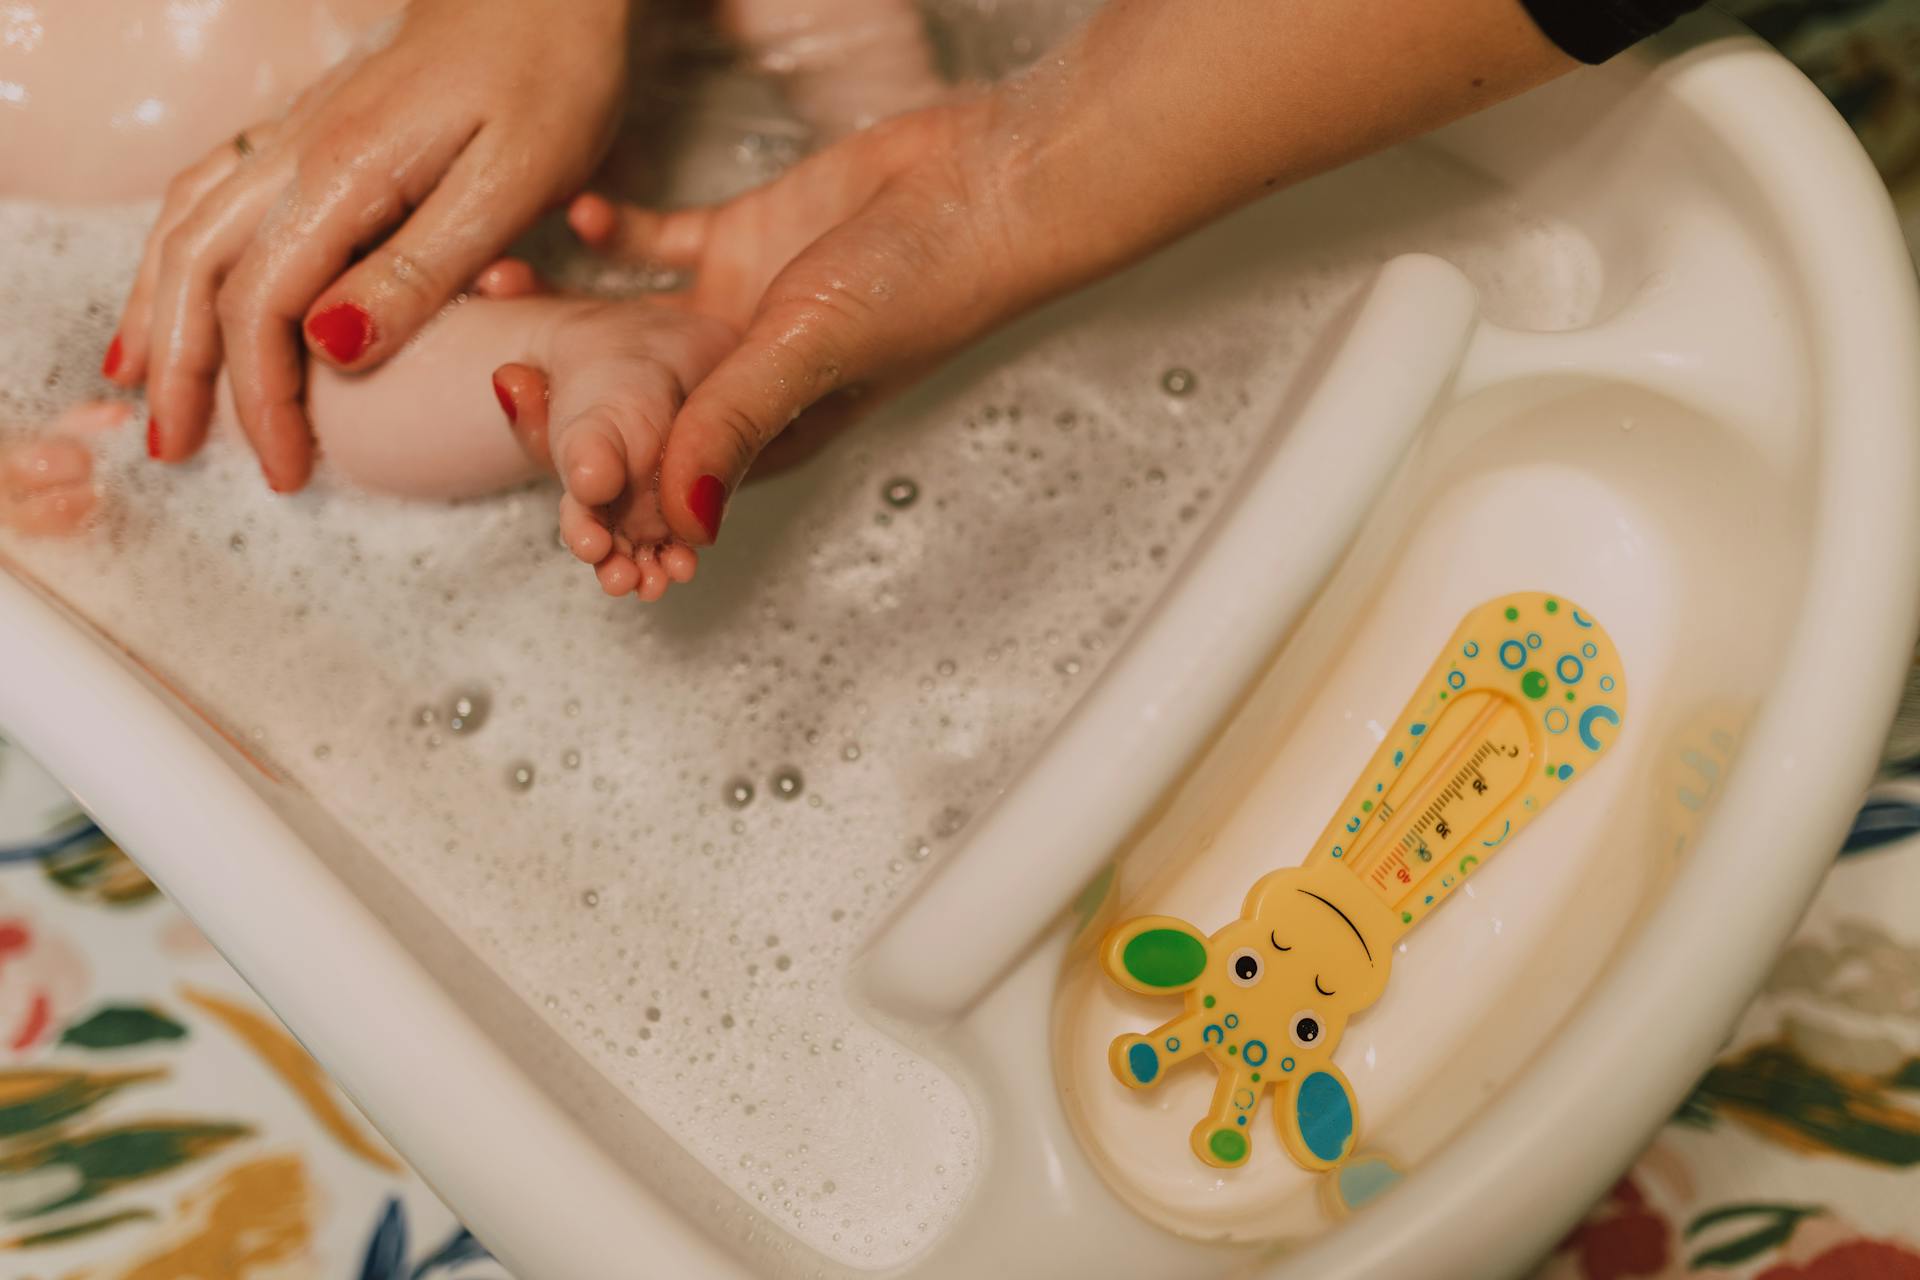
614 376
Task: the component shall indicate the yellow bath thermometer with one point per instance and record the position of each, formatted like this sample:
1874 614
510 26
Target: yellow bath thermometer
1528 694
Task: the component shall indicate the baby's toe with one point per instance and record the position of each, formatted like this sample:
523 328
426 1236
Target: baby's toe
618 574
653 578
593 458
679 560
583 531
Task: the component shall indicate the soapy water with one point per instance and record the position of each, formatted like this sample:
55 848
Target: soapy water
670 829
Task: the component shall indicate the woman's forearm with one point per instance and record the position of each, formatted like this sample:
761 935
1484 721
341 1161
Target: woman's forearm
1161 115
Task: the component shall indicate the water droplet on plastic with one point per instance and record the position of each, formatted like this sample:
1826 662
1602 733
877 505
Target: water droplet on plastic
787 783
521 776
467 711
900 493
739 793
1178 382
590 898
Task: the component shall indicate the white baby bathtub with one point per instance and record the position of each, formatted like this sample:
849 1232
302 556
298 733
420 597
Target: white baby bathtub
1722 464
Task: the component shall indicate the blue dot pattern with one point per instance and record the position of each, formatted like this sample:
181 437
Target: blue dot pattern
1143 1062
1325 1115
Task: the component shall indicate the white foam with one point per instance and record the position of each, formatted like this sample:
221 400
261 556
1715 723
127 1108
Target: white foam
904 661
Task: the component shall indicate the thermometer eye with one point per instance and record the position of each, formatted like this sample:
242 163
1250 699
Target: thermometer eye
1305 1030
1243 966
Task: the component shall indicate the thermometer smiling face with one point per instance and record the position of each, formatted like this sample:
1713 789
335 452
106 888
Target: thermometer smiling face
1526 697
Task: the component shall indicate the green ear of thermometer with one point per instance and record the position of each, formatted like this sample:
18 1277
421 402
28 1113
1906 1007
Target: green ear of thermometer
1525 699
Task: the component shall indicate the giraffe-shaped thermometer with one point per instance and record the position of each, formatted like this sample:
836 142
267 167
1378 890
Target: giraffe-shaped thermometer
1526 697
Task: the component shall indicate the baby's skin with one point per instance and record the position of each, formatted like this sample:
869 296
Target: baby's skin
149 85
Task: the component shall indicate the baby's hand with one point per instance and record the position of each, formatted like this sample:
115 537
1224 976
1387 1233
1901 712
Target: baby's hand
46 480
616 374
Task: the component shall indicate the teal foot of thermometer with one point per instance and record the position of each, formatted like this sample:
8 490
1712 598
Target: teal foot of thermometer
1526 698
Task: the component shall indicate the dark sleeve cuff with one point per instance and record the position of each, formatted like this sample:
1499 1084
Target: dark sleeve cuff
1595 30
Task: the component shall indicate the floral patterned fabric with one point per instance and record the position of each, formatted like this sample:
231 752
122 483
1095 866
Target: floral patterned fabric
156 1123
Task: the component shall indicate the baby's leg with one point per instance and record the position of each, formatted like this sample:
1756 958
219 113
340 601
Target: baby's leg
427 424
430 423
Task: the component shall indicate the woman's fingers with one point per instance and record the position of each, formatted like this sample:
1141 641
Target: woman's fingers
791 357
182 347
126 359
478 201
522 392
294 255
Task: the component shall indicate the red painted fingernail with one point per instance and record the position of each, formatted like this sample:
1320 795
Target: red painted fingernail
506 400
153 439
343 331
707 499
111 364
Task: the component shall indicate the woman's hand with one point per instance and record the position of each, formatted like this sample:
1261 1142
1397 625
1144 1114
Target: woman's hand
429 155
853 270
